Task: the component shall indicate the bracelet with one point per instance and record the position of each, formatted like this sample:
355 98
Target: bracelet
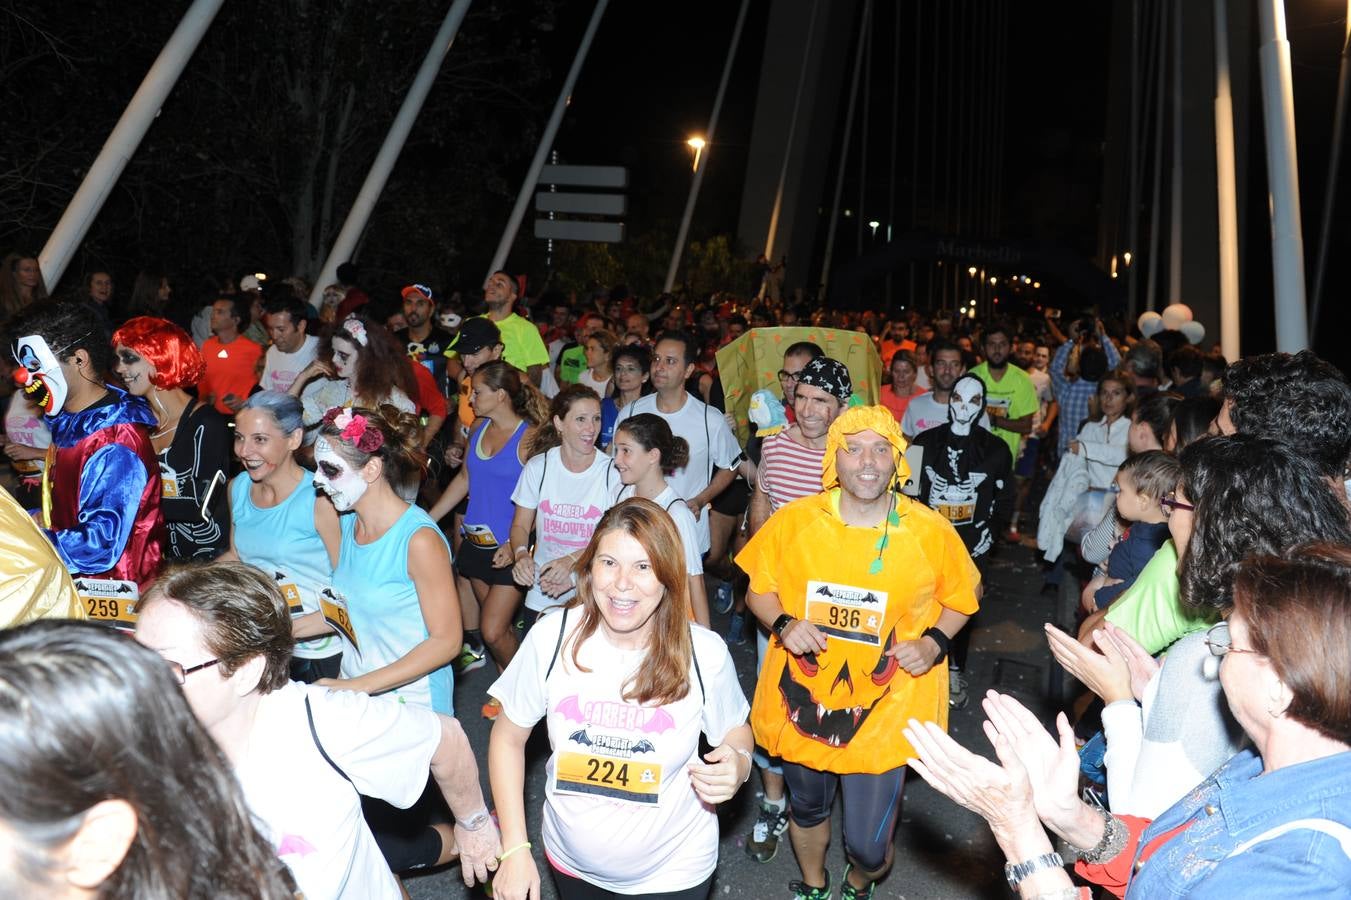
751 767
521 846
519 550
1113 841
939 638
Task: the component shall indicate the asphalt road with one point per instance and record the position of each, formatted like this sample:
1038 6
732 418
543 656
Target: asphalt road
943 852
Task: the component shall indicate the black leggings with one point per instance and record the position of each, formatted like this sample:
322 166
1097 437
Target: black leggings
406 837
872 805
570 888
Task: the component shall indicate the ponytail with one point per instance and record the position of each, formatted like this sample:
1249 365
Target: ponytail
526 400
652 432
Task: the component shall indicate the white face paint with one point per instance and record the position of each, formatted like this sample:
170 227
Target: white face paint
965 406
344 357
336 477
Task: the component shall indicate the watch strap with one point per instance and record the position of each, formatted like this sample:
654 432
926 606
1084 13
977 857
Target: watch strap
939 638
780 624
1016 872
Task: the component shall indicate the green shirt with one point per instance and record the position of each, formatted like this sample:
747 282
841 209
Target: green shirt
1151 610
522 345
571 364
1012 397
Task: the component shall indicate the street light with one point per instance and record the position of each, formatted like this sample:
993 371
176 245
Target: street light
698 144
874 224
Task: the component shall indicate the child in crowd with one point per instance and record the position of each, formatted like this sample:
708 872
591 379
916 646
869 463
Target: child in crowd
1142 481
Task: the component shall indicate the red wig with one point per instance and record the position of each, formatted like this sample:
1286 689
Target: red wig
168 348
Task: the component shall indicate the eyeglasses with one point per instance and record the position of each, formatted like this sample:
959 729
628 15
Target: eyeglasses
785 375
181 673
1169 504
1217 639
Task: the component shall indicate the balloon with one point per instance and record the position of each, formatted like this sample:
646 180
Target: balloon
1150 323
1175 314
1194 331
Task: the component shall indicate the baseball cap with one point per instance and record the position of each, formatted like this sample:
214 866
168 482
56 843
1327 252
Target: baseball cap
475 334
420 290
252 282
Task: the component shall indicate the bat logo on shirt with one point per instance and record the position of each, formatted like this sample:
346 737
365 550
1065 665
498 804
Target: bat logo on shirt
617 715
581 737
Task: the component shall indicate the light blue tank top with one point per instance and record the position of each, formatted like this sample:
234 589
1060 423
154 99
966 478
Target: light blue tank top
382 603
283 543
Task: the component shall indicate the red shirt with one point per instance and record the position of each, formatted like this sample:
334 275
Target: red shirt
230 369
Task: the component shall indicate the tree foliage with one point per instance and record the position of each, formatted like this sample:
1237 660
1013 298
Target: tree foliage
265 140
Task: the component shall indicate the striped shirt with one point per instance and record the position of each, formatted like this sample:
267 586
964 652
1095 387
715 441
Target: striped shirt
789 470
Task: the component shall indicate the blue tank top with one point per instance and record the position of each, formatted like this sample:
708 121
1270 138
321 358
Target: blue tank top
487 520
382 603
283 543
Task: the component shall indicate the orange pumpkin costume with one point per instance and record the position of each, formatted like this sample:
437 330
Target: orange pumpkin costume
842 710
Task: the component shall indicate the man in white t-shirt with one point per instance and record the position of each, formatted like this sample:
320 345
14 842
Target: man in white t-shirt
931 410
293 348
714 452
302 753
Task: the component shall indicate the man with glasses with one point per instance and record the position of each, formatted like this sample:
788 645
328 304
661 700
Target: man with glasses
795 359
930 410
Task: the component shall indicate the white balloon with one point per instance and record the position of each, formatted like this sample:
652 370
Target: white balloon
1150 323
1175 314
1193 331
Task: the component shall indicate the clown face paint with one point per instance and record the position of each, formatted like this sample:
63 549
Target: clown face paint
965 404
39 374
336 477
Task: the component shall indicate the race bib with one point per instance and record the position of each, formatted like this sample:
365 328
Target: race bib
480 536
289 592
631 780
957 513
169 487
997 406
334 607
849 613
109 600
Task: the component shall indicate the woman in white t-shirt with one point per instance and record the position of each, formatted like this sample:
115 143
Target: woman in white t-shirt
626 684
563 490
598 371
645 453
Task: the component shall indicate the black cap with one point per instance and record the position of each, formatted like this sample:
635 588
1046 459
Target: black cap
475 334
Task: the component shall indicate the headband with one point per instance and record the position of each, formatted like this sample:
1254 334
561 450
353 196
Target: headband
355 429
354 326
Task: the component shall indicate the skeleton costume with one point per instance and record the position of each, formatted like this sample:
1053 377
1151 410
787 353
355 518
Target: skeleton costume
966 471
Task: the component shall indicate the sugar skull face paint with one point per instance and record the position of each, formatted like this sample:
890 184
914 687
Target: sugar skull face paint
39 374
336 477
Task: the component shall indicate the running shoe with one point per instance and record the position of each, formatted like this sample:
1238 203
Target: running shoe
803 891
957 684
849 892
470 658
736 629
491 709
722 598
769 826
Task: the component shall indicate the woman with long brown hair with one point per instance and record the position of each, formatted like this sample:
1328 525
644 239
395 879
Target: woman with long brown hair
359 364
626 684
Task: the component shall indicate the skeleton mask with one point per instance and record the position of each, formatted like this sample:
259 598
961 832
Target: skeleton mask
966 404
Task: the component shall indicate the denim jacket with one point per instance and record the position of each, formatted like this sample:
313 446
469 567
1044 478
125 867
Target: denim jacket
1234 806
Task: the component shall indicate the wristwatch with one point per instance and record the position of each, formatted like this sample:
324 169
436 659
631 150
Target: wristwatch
476 821
1016 872
780 624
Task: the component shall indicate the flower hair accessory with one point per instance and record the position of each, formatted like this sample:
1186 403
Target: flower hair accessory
357 329
355 429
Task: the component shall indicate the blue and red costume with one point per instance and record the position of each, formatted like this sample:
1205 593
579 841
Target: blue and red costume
105 490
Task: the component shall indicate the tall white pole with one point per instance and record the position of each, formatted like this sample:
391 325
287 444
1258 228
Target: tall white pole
1287 241
1226 189
708 145
1175 181
374 185
126 137
546 142
844 150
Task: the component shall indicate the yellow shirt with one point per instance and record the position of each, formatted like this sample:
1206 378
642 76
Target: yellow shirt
34 583
843 711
